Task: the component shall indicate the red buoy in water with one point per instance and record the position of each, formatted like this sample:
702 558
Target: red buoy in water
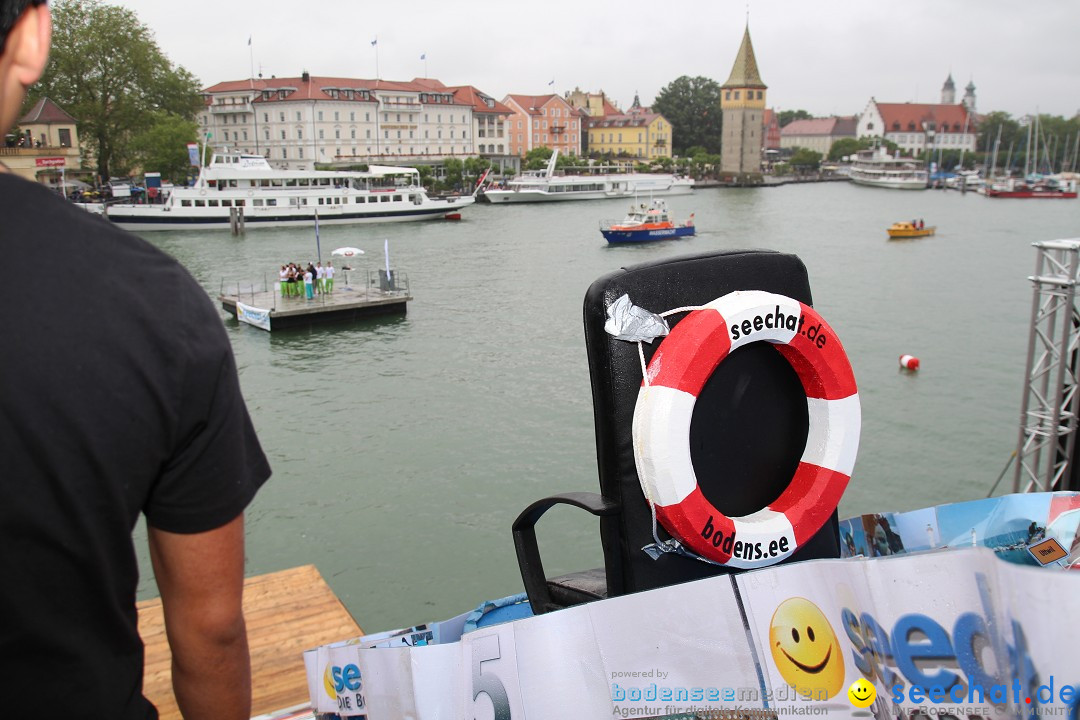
909 362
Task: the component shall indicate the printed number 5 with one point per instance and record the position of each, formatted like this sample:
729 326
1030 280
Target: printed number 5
483 650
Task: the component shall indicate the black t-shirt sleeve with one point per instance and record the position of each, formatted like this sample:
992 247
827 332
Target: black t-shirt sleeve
216 464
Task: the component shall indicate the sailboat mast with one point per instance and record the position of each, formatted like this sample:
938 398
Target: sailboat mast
997 146
1027 150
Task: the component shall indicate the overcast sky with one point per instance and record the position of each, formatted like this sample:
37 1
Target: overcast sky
823 56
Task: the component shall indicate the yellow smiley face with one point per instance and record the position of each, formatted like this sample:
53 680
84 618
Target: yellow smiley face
861 693
805 649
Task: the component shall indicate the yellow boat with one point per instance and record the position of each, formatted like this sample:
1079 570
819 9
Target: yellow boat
909 230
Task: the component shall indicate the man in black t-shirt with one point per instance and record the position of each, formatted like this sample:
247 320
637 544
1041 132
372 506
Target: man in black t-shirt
118 397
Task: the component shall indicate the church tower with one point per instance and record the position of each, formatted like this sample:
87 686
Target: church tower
742 101
969 97
948 91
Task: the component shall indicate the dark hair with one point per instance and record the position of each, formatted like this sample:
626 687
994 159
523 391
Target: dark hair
10 10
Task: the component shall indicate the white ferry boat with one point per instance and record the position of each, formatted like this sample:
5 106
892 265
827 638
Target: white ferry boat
277 198
546 186
875 167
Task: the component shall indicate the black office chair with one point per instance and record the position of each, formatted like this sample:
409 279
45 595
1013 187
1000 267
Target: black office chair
748 429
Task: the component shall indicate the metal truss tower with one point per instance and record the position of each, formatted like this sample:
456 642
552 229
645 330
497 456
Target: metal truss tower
1049 409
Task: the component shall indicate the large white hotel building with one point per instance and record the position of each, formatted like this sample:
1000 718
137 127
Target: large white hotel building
297 122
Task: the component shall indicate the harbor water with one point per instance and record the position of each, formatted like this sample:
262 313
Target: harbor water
404 448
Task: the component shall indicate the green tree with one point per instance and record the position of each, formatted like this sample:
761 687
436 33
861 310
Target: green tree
106 70
163 146
805 160
474 168
425 174
786 116
537 158
848 146
692 106
454 170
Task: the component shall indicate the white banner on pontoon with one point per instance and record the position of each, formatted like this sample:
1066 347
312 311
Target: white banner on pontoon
258 317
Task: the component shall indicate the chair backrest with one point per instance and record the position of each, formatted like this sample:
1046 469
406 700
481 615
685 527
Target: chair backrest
749 425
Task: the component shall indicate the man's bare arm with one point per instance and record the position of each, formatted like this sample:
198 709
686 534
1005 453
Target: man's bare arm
201 579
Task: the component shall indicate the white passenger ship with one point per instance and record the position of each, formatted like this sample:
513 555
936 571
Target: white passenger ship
277 198
876 168
546 186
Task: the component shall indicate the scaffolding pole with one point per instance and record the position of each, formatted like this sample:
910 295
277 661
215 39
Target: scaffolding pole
1049 407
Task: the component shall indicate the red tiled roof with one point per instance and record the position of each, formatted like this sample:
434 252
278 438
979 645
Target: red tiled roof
637 119
916 117
813 126
46 111
469 95
531 104
314 87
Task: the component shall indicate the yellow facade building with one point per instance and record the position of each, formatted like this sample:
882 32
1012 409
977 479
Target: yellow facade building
638 133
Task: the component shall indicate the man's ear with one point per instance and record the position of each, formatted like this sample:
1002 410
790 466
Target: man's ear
28 44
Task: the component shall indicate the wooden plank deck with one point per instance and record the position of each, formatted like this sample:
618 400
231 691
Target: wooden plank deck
286 612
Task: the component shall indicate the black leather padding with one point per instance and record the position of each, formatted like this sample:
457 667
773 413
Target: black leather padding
749 424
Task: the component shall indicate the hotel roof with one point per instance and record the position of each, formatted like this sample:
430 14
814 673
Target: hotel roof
917 117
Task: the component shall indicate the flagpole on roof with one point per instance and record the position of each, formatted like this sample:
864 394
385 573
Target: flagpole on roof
375 44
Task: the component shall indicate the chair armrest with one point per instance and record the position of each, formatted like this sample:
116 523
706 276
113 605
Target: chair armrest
528 554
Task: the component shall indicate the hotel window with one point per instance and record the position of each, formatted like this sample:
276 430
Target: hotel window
282 134
352 134
320 116
337 134
321 135
267 134
282 116
301 153
352 117
736 94
299 133
727 94
336 118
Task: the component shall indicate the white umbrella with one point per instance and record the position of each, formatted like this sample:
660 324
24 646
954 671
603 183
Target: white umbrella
347 252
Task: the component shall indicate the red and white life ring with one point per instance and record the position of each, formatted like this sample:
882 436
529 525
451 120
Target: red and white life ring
676 375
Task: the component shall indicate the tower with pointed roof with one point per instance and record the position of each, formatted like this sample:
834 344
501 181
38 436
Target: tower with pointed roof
742 100
948 91
969 97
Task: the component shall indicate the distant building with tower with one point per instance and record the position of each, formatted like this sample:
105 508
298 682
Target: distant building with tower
742 102
922 127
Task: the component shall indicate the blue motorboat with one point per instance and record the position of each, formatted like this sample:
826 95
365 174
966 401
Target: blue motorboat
645 223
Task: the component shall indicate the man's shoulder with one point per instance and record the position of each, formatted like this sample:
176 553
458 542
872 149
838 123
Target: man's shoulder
36 216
